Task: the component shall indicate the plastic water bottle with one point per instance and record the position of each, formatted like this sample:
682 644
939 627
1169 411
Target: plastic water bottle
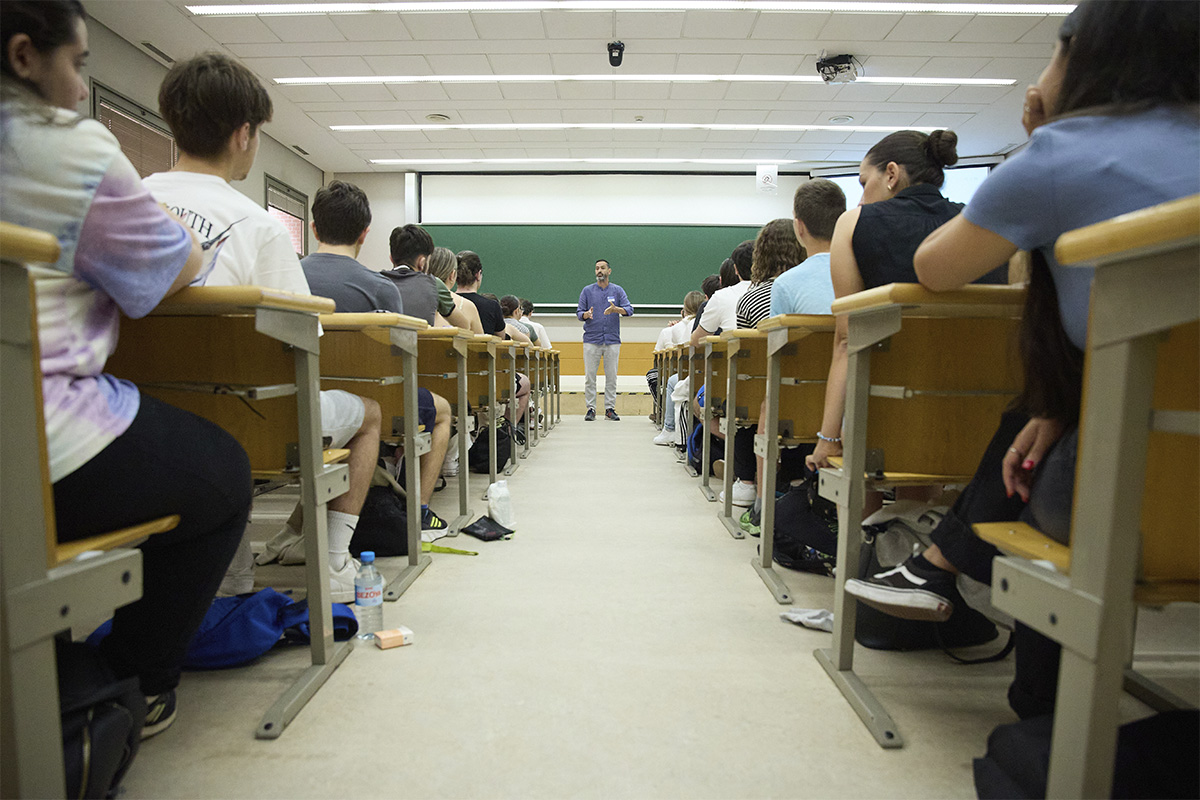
368 596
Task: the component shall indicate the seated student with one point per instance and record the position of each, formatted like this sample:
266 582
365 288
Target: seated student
510 305
425 297
116 457
1094 98
215 107
341 219
443 265
720 313
676 333
527 317
470 277
523 385
776 250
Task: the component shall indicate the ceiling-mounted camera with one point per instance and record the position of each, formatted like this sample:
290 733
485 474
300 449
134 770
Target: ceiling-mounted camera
616 51
837 69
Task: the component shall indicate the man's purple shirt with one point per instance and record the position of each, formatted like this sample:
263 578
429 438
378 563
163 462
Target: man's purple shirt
602 328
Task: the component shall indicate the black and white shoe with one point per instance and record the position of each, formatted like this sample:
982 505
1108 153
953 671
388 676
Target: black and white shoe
907 591
160 713
611 413
590 415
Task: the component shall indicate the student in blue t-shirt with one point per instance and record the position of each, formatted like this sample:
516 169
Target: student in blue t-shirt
807 288
1106 139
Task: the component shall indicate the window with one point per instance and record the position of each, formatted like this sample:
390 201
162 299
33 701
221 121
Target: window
144 137
291 208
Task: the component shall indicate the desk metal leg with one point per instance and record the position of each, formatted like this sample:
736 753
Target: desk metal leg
847 489
726 513
464 507
512 415
417 561
762 564
706 435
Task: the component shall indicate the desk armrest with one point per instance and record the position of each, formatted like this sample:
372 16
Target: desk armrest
18 243
218 300
812 322
1166 223
915 300
1019 539
351 322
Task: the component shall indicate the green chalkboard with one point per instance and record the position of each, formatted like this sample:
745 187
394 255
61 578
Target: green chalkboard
550 264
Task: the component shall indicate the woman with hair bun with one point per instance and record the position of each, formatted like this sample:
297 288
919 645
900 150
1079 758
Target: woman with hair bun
873 244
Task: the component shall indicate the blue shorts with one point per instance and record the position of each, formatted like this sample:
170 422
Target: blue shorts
426 413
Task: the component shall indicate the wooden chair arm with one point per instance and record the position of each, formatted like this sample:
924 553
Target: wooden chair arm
1019 539
18 243
219 300
378 319
1178 220
916 300
110 541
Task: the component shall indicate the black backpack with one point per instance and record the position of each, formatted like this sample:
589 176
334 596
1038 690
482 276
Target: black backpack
102 720
805 530
383 521
477 455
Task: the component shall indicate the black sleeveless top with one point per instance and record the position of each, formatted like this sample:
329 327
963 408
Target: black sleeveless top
889 232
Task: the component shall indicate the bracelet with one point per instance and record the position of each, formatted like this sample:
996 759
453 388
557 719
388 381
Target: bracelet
830 439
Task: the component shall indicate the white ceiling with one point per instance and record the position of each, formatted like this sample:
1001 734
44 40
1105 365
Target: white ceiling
573 42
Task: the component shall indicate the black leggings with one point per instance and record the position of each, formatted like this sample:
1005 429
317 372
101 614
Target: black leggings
169 461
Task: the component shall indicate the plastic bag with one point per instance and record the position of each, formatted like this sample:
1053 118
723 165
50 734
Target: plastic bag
500 505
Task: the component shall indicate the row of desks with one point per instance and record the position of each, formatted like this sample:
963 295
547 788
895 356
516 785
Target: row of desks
929 375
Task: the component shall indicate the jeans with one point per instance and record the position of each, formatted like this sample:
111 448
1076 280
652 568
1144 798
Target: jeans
669 405
169 461
592 353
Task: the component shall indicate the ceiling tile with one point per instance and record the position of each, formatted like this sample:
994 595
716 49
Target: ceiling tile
591 152
636 152
520 63
754 117
404 137
848 156
824 137
459 64
643 25
437 27
1045 32
1022 70
506 27
587 135
791 116
996 28
410 92
486 115
690 115
858 27
507 152
810 93
809 155
770 64
377 27
893 66
448 136
942 119
685 136
529 91
544 136
657 63
981 95
544 151
473 91
754 91
927 27
327 118
732 137
718 24
706 63
648 135
362 93
653 115
643 91
698 91
537 115
339 66
921 94
902 118
307 94
775 137
866 93
398 65
585 91
761 153
943 67
578 24
356 137
395 117
864 138
279 67
461 152
789 26
235 30
304 28
581 63
576 115
487 137
723 152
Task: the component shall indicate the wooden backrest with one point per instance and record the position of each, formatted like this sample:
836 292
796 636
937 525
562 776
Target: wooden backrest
804 370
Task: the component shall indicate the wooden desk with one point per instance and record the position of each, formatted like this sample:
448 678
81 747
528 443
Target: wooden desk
715 370
216 351
1136 477
928 377
800 346
746 384
442 368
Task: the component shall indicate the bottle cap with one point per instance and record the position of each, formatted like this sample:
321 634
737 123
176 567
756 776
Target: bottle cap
367 556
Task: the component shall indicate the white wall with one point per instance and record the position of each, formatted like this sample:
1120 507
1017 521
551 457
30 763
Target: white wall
603 199
128 71
385 191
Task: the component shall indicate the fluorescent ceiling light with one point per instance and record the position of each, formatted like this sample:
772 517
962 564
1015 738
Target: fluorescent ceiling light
281 9
528 161
627 77
628 126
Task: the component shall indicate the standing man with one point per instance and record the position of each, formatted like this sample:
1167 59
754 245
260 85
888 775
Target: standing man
601 306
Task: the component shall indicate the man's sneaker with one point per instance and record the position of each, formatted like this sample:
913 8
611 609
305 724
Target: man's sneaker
611 413
907 591
744 494
751 522
160 713
341 582
666 438
590 415
286 547
433 527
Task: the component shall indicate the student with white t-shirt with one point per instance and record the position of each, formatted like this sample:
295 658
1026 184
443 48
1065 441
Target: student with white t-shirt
216 107
720 313
676 333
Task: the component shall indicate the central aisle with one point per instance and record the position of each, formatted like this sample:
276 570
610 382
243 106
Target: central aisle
620 645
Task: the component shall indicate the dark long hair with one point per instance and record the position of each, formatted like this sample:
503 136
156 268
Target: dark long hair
923 155
49 24
1105 44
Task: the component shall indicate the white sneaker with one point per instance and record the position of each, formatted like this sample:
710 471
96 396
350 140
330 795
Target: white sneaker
744 494
286 547
341 582
666 438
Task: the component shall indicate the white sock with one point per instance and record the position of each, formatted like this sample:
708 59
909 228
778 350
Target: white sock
341 531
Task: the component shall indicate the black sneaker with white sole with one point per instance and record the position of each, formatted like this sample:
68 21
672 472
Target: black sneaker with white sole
907 591
612 414
590 415
160 713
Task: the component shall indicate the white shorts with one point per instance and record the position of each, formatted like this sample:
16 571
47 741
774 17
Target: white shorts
341 416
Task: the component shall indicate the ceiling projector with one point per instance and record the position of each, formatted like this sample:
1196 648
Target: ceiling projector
837 69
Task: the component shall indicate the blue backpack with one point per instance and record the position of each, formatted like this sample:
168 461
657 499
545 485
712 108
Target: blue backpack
237 630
